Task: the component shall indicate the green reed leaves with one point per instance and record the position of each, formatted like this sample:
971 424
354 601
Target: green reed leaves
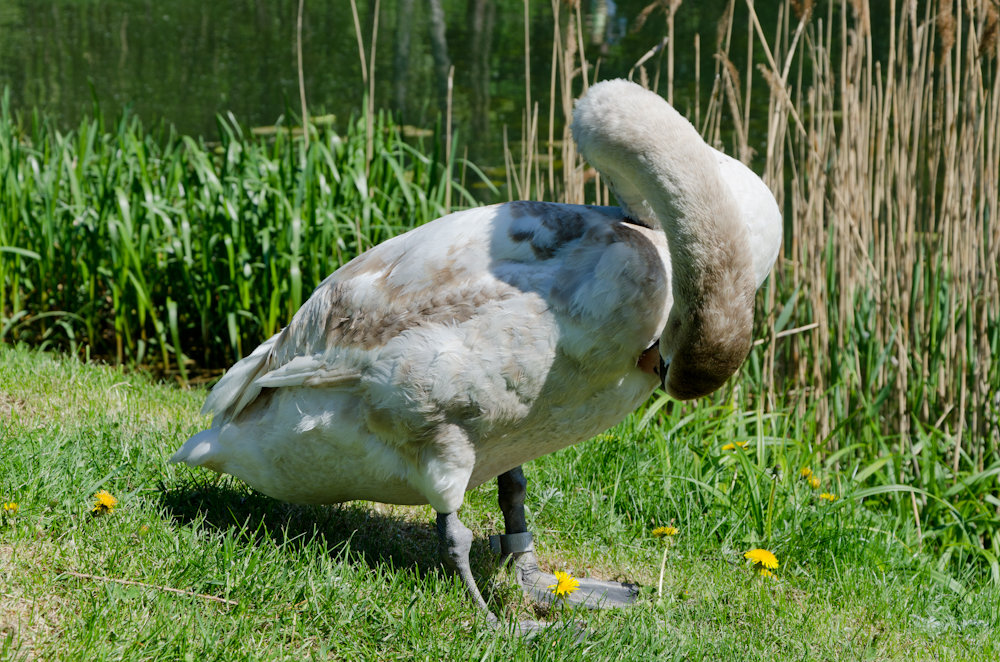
149 247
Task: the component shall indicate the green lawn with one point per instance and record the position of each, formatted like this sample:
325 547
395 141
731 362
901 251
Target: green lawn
186 567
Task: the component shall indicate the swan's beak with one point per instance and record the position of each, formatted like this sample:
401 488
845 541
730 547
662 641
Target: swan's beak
661 370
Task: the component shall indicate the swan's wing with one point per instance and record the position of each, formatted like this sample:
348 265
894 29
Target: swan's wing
485 284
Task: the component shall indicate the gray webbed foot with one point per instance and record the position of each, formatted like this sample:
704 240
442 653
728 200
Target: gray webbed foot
591 594
517 545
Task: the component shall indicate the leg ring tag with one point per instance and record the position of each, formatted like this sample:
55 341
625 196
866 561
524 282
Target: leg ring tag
512 543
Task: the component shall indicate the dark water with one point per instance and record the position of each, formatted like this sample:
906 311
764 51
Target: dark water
185 61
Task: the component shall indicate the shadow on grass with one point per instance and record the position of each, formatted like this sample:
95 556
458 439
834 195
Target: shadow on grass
354 532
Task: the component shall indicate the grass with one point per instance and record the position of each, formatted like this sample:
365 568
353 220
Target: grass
362 581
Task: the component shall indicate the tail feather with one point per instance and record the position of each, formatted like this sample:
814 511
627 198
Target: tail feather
237 388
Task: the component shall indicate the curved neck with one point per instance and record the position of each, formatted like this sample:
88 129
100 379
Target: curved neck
661 169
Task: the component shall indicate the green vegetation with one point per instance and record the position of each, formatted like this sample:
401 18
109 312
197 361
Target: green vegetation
876 370
266 580
152 247
880 325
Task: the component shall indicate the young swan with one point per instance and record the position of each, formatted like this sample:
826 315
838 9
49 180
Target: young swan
456 352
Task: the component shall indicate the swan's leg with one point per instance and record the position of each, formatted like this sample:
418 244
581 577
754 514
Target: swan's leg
455 540
517 545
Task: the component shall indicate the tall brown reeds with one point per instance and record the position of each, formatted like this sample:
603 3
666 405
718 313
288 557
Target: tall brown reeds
884 309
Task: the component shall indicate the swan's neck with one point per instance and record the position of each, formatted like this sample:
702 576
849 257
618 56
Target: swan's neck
662 170
709 331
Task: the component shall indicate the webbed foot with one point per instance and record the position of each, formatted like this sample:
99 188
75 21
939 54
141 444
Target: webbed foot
591 594
517 545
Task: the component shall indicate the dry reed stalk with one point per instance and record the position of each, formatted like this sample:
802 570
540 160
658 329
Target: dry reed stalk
887 168
367 77
672 7
448 138
155 587
370 114
553 78
697 80
731 90
573 50
302 80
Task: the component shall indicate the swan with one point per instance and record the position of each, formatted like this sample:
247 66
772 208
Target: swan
458 351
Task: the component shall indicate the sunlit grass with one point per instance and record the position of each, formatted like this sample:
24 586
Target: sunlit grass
188 566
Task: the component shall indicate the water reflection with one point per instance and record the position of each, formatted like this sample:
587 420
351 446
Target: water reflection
184 61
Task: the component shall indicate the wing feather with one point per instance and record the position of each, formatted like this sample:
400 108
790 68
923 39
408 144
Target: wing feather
448 274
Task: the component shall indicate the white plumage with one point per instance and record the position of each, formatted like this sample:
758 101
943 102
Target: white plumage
460 350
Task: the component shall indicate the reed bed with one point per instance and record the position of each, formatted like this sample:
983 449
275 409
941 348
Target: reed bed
146 247
888 168
880 327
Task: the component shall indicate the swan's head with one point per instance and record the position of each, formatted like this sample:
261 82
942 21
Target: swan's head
704 345
704 365
722 225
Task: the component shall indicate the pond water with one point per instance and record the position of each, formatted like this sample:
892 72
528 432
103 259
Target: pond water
185 61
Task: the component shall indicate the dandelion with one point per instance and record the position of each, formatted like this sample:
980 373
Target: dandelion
829 497
763 557
732 446
104 502
814 482
666 533
764 572
805 472
663 531
10 508
565 584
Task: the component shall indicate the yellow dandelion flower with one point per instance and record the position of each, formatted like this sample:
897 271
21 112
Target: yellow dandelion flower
805 472
732 446
814 482
764 572
565 584
661 531
104 502
10 508
828 496
763 557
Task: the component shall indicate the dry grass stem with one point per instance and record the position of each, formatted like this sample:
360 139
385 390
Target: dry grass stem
166 589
